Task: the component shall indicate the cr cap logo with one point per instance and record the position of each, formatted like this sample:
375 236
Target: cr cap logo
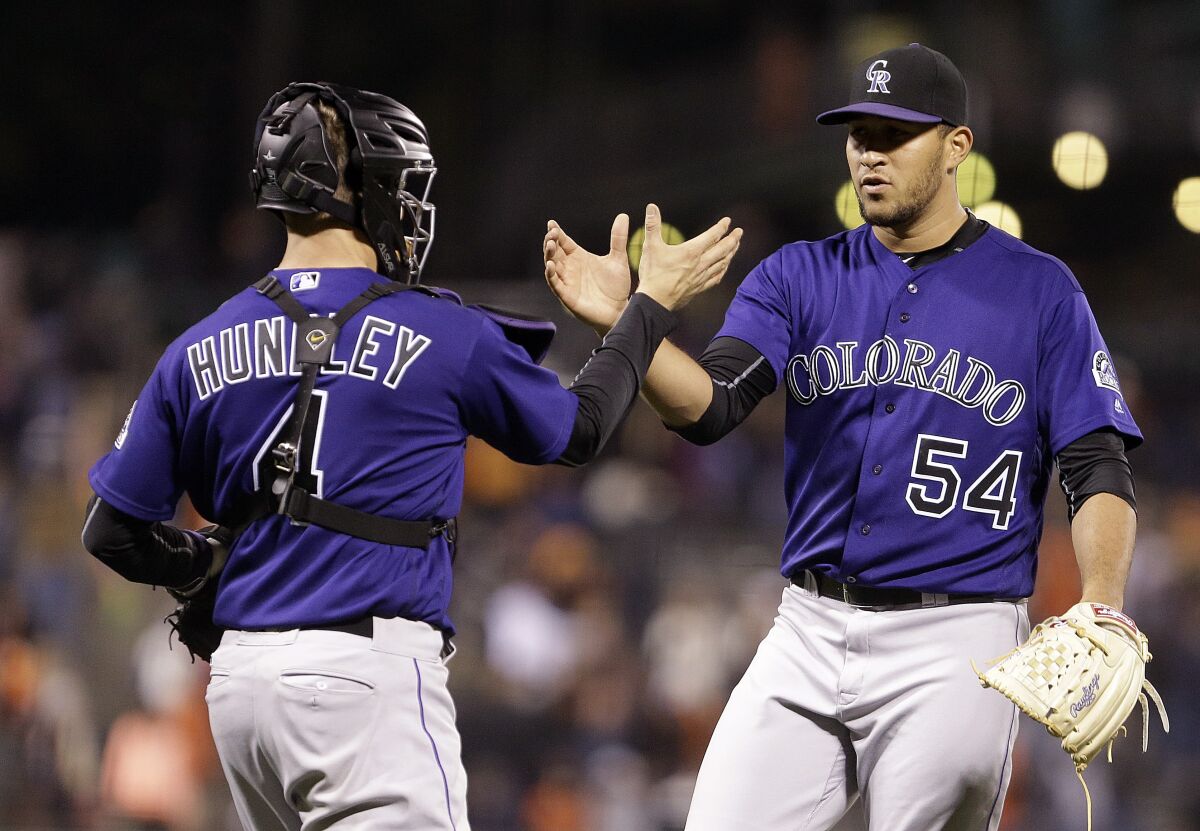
315 338
879 77
1103 372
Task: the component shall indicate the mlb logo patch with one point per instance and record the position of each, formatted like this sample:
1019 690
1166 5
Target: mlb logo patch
305 280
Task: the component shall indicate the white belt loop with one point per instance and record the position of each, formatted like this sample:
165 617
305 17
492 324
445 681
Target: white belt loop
929 600
266 638
810 583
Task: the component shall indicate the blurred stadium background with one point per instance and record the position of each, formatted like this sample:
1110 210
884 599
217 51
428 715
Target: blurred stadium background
604 613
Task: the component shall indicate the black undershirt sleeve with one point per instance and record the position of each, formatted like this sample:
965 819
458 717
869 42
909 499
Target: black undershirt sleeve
741 378
1095 463
144 552
609 382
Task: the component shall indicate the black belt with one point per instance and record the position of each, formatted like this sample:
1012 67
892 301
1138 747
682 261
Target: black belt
883 600
364 627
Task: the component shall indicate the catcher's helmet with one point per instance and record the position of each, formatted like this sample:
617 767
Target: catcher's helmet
390 169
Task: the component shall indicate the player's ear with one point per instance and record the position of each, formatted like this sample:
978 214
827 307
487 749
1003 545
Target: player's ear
959 142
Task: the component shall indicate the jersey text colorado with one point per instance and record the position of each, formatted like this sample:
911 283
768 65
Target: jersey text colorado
963 379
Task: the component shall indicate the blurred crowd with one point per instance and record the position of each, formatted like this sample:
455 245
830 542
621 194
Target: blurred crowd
604 613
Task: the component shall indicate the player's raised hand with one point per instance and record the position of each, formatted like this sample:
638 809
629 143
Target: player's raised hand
594 289
674 274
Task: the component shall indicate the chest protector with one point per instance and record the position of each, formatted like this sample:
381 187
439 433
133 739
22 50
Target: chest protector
315 337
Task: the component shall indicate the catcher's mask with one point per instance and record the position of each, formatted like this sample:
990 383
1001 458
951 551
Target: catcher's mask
390 169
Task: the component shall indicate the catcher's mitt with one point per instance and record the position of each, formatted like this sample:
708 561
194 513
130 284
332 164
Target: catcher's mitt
1080 675
192 620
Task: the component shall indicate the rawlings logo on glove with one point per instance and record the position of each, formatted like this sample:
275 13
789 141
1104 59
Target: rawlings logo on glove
1089 696
1080 675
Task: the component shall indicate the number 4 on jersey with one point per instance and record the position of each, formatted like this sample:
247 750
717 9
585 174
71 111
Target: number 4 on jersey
309 476
994 492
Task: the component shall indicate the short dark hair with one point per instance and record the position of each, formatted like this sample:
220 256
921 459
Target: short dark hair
335 135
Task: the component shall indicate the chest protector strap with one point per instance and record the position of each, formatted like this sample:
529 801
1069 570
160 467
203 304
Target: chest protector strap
315 337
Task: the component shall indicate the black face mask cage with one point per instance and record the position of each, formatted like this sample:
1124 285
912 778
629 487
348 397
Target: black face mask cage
390 165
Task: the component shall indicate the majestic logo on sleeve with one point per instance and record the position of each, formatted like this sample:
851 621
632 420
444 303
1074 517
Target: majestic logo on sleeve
121 436
879 77
963 379
1103 372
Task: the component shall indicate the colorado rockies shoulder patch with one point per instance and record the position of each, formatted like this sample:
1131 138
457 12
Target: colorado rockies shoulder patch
1103 372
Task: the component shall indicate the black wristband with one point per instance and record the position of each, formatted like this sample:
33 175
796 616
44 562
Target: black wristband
609 382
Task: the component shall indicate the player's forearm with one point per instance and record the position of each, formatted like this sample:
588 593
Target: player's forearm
144 552
609 382
677 387
1103 535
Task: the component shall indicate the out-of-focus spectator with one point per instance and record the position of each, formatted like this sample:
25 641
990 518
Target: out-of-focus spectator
535 634
604 613
158 757
48 753
556 802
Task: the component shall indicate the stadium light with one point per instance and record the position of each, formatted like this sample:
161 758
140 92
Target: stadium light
1186 203
976 180
1080 160
846 205
1001 215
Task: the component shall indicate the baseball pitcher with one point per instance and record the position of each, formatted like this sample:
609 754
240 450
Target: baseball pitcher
935 369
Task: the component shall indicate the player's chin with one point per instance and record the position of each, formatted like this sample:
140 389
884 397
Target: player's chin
876 211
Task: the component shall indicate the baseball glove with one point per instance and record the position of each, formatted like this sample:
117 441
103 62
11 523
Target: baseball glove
1080 675
192 620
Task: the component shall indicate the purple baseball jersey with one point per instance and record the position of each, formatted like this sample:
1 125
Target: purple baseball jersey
925 407
411 377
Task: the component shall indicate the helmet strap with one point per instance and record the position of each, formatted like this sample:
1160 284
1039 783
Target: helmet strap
318 196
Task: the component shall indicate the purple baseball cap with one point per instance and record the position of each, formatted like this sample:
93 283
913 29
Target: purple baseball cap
909 83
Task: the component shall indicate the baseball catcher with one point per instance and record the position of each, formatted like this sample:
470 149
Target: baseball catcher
341 474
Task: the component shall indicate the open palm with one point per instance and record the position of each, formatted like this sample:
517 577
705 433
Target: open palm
593 288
